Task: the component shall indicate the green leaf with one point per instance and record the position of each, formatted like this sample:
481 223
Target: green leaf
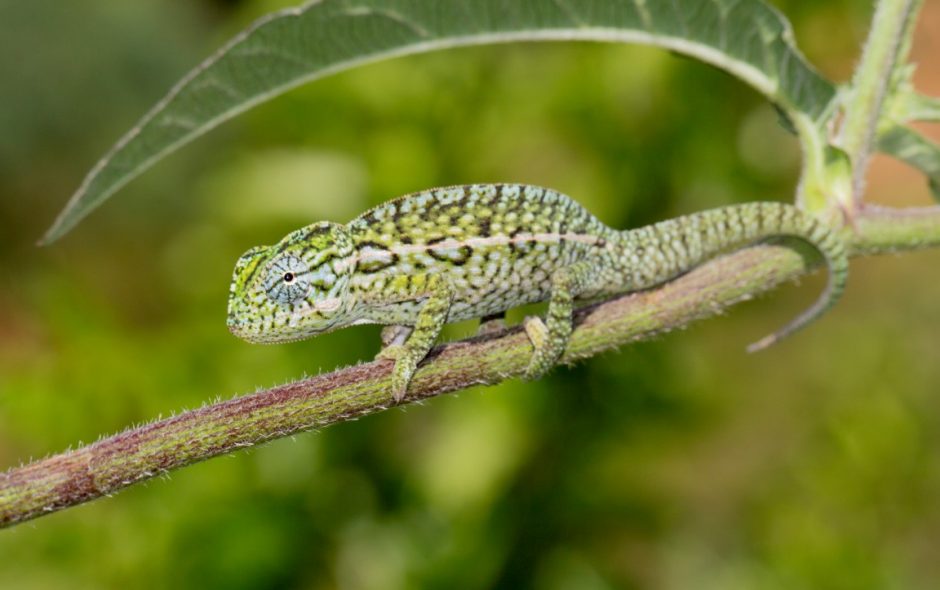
916 150
747 38
904 103
917 107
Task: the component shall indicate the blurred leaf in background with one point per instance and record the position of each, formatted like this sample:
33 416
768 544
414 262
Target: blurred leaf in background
673 464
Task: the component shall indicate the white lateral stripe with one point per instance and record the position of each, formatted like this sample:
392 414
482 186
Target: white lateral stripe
450 243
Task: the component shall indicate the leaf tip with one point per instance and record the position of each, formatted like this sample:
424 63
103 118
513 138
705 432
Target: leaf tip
61 226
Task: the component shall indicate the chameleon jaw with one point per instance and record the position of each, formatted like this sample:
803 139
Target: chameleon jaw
244 331
255 332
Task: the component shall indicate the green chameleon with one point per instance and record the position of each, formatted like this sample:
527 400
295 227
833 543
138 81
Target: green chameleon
450 254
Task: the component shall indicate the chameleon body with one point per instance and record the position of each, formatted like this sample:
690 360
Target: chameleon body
450 254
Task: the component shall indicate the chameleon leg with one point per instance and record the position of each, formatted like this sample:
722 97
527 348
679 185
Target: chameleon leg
427 328
550 338
393 337
492 323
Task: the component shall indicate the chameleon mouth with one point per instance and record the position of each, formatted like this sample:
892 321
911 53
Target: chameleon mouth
239 328
251 333
245 330
254 333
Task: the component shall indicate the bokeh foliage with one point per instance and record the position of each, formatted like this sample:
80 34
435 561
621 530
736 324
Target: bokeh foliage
679 463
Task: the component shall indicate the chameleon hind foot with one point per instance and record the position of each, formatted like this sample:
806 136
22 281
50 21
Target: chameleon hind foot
537 332
549 338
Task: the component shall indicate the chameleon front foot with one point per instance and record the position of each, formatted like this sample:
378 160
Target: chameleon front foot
492 324
394 334
393 341
402 372
390 353
401 377
418 339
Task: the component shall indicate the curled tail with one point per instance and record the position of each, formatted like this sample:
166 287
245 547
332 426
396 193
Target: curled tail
659 252
831 246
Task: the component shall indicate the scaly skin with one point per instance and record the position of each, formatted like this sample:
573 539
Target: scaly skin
450 254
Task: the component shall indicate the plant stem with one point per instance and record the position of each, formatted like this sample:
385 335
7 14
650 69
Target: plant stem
888 41
113 463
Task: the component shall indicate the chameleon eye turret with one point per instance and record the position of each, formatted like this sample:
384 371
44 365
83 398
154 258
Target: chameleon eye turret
455 253
288 280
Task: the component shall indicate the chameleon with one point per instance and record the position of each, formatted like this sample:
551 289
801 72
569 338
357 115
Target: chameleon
449 254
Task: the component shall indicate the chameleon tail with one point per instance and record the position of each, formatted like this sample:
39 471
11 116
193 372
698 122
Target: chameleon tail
654 254
828 243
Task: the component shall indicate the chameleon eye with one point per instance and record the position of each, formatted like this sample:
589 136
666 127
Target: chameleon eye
287 280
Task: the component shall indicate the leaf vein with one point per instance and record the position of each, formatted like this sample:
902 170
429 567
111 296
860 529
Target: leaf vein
391 15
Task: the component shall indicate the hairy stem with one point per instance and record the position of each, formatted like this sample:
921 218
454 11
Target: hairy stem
888 42
119 461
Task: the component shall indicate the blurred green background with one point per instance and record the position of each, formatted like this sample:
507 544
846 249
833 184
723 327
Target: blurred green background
679 463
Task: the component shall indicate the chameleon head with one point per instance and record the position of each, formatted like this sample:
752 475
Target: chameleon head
294 289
